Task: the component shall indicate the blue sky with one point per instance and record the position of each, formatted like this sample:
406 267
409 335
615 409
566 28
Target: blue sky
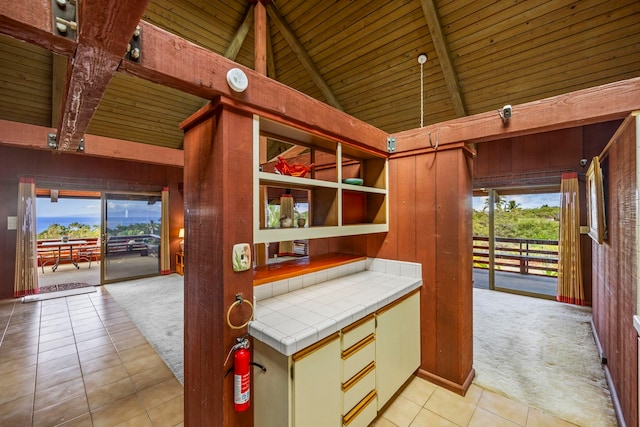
67 207
525 201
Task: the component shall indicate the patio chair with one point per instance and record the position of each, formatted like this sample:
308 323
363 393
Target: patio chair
46 256
88 252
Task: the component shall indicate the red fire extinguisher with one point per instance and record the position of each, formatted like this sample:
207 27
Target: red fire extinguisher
241 375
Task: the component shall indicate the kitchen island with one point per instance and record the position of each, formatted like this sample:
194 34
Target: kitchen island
337 342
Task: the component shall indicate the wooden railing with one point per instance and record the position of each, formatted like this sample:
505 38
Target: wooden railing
525 256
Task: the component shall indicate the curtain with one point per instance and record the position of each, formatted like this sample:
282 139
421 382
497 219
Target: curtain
26 269
570 288
165 259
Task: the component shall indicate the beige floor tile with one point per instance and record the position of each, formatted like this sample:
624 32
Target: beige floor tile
56 335
63 391
139 421
81 421
103 377
18 376
57 353
161 393
92 343
54 344
426 418
61 412
169 413
86 336
55 365
151 377
504 407
141 364
418 390
537 418
121 327
382 422
97 352
110 393
137 352
46 380
483 418
401 411
474 393
451 406
8 353
12 392
17 413
94 365
15 364
130 342
118 412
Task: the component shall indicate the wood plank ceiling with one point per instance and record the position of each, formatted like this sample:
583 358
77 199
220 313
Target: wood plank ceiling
482 55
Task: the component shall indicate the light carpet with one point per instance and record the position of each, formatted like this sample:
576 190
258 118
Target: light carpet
156 306
541 353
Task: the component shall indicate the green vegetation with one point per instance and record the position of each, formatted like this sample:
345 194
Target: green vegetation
76 230
513 221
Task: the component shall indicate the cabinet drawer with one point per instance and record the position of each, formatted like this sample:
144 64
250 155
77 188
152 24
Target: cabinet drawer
358 387
356 357
363 413
357 331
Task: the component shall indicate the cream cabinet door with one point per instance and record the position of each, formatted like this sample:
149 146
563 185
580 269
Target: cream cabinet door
397 346
317 396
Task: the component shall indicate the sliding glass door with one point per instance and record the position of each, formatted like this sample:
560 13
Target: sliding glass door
130 235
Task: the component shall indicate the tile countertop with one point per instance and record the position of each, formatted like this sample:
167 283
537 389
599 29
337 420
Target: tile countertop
294 320
636 323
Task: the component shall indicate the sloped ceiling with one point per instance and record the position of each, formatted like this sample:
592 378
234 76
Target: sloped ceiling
481 56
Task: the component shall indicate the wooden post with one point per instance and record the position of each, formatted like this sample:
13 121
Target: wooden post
492 239
218 190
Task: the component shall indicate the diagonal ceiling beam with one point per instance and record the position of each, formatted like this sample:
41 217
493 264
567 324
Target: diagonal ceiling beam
241 34
105 29
439 43
302 55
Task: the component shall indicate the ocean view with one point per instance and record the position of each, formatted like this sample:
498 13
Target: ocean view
42 223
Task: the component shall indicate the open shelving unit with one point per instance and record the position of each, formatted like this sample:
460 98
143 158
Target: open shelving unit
334 208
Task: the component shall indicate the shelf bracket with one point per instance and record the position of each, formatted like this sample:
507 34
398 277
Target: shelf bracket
391 144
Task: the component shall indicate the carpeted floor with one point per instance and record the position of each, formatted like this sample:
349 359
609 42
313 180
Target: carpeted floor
156 306
541 353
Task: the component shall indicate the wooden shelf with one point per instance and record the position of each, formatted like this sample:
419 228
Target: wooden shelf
297 267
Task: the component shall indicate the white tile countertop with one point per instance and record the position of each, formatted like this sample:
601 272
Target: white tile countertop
636 324
298 318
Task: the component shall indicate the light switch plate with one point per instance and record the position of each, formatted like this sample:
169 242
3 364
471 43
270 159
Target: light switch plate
12 223
241 257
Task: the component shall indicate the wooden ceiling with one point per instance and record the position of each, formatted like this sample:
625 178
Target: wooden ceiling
359 56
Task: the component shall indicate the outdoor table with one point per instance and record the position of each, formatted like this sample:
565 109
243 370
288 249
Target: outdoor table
60 244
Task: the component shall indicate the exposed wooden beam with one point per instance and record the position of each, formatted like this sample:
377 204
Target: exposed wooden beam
271 60
32 22
240 35
260 37
58 82
35 137
580 108
103 35
439 43
302 55
171 61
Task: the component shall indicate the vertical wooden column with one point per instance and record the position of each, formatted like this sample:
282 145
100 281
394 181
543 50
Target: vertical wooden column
260 29
218 214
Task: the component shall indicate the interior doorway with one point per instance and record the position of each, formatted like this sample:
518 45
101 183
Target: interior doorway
515 241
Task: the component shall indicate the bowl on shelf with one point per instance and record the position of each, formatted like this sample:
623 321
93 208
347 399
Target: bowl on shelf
353 181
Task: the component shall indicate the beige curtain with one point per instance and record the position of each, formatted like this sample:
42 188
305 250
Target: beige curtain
26 270
165 259
570 288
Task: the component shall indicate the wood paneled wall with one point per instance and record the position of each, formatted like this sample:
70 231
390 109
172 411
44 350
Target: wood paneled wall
430 223
82 172
615 271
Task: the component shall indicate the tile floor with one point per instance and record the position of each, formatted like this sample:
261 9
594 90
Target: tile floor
80 361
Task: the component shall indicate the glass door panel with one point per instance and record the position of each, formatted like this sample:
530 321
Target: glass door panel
131 235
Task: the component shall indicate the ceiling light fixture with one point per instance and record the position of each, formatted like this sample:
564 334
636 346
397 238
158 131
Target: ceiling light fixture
422 59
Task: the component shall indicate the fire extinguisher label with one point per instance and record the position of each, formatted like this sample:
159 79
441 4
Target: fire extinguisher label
241 389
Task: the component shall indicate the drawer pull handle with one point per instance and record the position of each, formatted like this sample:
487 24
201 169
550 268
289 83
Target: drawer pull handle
358 346
357 377
358 408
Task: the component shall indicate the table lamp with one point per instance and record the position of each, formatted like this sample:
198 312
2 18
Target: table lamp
181 235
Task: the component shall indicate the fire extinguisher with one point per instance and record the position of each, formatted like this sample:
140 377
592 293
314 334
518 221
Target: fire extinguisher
241 375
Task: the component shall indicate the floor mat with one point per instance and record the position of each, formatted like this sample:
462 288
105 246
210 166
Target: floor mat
58 294
63 287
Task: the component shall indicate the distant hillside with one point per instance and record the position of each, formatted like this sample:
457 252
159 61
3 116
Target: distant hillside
513 221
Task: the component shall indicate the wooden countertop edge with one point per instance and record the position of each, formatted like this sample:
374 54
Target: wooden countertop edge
288 269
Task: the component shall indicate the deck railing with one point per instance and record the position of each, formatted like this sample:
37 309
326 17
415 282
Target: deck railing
524 256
